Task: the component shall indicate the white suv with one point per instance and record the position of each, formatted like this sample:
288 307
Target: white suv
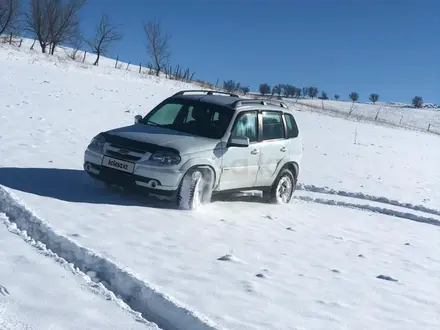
196 143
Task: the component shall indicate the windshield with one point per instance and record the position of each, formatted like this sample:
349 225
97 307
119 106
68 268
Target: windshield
197 118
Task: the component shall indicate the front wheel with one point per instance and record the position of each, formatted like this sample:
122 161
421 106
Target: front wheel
281 191
195 189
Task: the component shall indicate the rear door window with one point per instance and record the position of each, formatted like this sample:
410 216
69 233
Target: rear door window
292 127
273 128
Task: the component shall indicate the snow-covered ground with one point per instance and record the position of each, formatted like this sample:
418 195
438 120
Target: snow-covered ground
38 290
383 113
368 205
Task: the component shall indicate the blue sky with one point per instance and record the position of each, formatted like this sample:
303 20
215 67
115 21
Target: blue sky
389 47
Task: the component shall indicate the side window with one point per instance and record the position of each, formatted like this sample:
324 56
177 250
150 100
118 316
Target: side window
272 126
292 127
247 125
166 114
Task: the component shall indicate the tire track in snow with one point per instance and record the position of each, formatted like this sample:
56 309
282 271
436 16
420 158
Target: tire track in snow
358 195
154 306
371 208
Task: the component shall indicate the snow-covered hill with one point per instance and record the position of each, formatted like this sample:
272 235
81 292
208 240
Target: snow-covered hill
425 119
357 249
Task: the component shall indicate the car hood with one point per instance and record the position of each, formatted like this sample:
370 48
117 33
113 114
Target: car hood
183 142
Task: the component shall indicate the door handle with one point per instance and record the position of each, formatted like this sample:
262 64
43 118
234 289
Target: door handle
255 152
283 149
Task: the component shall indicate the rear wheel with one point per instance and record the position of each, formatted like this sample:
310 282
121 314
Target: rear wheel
195 189
282 189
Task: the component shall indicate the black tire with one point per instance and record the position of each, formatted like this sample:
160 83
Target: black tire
285 178
195 189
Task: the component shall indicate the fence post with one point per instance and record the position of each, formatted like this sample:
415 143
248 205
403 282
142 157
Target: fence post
401 118
128 65
429 127
377 114
84 57
117 59
140 67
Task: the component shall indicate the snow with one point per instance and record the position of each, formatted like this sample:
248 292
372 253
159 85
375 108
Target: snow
37 293
380 113
366 212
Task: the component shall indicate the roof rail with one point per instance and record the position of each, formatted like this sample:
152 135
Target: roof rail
208 92
239 103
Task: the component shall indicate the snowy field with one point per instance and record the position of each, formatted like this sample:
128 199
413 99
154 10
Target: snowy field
419 119
358 249
38 290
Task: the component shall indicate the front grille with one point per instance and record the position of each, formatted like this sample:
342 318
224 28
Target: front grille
127 147
127 157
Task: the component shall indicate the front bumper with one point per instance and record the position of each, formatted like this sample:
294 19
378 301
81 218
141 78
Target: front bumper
157 180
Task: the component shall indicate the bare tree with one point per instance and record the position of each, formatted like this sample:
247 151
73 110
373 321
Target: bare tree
231 86
9 14
53 22
374 97
276 90
63 21
305 91
106 34
354 96
323 96
417 101
289 90
157 45
245 90
36 22
312 92
298 92
264 89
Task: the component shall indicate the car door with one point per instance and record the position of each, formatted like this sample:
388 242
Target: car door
274 146
293 141
240 164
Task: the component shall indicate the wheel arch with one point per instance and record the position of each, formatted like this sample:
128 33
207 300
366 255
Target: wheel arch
293 166
289 163
205 167
202 163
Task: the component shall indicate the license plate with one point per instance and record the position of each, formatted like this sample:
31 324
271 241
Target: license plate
118 164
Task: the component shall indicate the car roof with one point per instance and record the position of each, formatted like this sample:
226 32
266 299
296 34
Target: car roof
231 100
222 100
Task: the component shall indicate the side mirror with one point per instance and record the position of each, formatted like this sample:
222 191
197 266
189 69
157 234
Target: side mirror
137 119
239 141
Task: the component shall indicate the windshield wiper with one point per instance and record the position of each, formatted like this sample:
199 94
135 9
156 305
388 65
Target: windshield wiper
152 123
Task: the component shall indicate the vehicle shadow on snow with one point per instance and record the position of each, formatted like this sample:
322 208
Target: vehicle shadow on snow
72 185
76 186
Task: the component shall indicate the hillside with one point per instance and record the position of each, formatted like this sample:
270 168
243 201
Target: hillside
387 114
357 249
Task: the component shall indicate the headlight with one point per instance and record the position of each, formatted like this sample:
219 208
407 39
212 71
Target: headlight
97 143
165 157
